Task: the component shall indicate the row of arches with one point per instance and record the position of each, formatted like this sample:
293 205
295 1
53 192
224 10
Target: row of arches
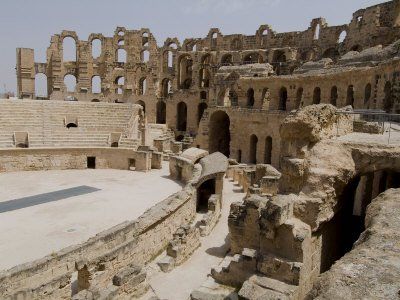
253 148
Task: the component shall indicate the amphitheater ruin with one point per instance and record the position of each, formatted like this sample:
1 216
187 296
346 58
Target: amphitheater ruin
227 167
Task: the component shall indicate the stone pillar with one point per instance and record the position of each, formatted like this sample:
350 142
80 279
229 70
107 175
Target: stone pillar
25 73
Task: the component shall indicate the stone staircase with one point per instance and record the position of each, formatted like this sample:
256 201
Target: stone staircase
45 123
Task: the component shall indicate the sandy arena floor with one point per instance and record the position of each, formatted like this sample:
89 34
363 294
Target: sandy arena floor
32 232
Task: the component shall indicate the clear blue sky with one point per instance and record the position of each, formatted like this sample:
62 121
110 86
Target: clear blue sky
30 23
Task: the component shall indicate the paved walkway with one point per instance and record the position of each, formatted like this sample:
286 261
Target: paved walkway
33 232
181 281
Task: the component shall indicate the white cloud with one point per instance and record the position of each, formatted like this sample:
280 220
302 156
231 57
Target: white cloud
224 7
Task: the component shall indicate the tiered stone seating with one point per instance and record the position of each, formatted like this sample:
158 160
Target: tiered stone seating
44 121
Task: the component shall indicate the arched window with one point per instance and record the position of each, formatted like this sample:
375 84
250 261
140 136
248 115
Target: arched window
334 95
299 98
342 36
367 93
350 96
41 89
142 86
70 82
282 98
265 98
253 149
227 60
96 84
96 48
166 87
170 58
121 56
317 96
120 82
317 32
250 97
140 102
268 150
145 39
145 56
121 42
204 79
69 49
185 72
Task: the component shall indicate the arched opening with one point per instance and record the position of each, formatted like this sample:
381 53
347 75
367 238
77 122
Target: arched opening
140 102
219 133
356 48
41 90
96 84
145 56
69 49
268 150
250 97
200 111
388 100
227 60
145 39
299 98
253 149
142 86
114 145
350 96
214 37
71 125
181 116
185 72
352 205
367 93
170 59
70 82
121 42
120 82
121 56
282 98
161 112
278 59
317 96
342 36
265 98
334 95
331 53
204 192
204 78
317 32
252 58
166 87
96 48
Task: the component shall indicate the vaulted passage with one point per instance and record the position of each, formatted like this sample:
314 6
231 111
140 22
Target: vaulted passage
253 149
219 134
204 192
343 230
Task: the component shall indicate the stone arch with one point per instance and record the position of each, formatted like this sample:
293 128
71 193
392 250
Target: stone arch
96 84
299 98
161 115
200 111
367 93
181 119
252 58
204 192
253 149
388 99
69 49
204 78
332 53
96 45
185 71
227 60
342 36
265 98
283 96
268 150
350 95
142 86
334 95
219 133
121 56
166 87
141 102
119 82
70 82
317 95
145 56
41 85
250 97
